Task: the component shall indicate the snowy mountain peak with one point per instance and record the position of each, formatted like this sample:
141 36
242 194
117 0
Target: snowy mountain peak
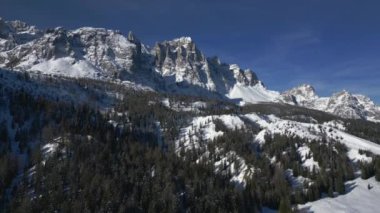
305 90
13 33
246 77
15 27
234 67
132 37
86 30
343 103
343 95
307 87
184 40
348 105
302 94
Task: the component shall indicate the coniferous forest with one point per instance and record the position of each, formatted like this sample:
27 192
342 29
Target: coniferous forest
57 155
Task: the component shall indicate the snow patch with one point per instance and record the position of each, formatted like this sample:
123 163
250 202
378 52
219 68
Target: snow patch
252 94
202 129
307 158
68 67
296 182
235 165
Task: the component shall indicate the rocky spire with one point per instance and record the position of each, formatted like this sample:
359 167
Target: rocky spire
137 54
132 37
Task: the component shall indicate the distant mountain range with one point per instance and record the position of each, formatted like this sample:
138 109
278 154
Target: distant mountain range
175 66
343 104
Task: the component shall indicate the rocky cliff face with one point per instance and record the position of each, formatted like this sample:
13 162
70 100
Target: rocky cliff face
102 52
182 60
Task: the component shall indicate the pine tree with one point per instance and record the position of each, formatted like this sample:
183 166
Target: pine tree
339 185
377 169
285 206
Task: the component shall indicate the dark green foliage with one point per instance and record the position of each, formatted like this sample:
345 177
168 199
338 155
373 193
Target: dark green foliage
289 112
8 170
110 173
285 206
334 166
364 129
3 132
337 168
367 170
120 168
377 168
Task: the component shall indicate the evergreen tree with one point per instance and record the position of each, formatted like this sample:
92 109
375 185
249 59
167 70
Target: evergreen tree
285 206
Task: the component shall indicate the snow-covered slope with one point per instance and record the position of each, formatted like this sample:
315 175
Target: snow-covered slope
202 131
68 67
357 199
343 104
253 94
273 125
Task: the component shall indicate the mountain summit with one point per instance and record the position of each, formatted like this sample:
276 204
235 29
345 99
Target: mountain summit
343 104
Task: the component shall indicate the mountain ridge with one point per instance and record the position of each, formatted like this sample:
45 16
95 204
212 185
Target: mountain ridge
343 103
174 66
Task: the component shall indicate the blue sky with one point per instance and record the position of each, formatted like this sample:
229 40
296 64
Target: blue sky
331 44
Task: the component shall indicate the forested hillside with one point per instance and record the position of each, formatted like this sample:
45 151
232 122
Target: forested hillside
126 150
